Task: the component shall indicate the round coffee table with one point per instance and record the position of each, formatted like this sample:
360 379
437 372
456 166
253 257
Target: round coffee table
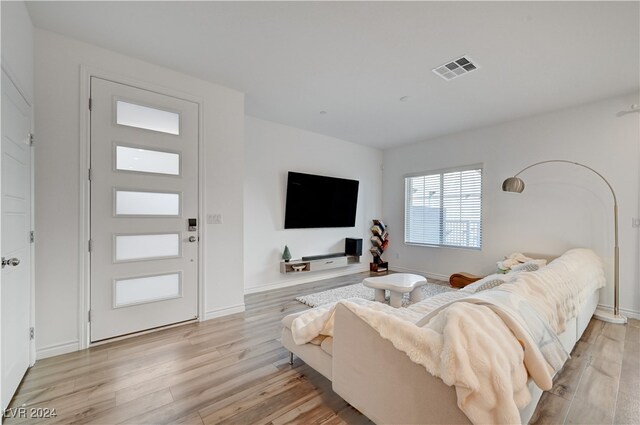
397 284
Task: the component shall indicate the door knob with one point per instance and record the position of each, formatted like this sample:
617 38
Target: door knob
10 262
192 239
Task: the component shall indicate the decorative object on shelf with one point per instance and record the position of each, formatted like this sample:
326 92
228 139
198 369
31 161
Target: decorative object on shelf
286 255
515 184
379 243
353 246
298 267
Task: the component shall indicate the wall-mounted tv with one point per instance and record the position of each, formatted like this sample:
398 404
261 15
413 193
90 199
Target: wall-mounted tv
319 201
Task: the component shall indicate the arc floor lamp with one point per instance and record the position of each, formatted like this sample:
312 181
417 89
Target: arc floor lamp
515 184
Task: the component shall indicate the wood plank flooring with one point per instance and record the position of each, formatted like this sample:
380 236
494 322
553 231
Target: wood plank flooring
600 383
233 370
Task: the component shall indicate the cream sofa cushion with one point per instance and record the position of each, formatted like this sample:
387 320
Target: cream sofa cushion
327 345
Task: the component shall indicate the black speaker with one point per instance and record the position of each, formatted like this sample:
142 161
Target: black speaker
353 246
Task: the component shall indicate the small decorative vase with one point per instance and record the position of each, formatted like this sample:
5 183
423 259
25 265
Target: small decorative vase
286 255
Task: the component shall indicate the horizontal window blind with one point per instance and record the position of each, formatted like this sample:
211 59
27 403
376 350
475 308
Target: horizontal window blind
444 209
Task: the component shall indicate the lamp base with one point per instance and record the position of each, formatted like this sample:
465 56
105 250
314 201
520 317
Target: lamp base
608 316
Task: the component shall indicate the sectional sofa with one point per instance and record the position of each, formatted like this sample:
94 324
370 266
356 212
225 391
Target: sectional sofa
383 383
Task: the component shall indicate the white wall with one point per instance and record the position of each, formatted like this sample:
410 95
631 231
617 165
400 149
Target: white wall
270 151
17 45
562 207
57 176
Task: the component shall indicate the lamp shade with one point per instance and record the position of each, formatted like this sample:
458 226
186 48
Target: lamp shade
513 184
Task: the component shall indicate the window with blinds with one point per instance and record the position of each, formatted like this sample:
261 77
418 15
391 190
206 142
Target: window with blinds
444 208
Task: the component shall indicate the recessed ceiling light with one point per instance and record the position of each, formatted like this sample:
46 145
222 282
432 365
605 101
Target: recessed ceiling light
323 112
404 98
457 67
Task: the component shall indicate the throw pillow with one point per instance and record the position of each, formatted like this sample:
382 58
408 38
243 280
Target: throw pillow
488 282
529 266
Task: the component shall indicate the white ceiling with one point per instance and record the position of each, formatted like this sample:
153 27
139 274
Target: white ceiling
355 60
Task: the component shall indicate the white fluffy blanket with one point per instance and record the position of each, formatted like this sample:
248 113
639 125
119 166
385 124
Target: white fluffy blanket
469 345
544 354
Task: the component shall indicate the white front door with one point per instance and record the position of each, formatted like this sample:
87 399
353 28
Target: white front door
144 193
16 246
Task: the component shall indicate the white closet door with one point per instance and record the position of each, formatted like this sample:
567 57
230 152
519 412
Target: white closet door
16 247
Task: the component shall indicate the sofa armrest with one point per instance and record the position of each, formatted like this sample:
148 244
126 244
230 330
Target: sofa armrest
382 382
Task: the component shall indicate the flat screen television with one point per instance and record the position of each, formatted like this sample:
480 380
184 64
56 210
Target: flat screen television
319 201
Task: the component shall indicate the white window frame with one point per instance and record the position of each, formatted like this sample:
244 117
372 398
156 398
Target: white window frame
442 218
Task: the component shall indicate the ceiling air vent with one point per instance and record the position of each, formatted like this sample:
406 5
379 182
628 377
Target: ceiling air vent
455 68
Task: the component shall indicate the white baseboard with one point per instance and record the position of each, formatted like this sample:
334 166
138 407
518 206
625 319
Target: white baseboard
421 272
57 349
309 277
628 313
212 314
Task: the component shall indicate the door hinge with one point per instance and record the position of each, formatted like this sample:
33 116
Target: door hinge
90 245
32 333
90 174
90 316
90 104
31 139
32 237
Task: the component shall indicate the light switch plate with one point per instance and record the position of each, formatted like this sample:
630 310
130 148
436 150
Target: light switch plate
214 219
635 222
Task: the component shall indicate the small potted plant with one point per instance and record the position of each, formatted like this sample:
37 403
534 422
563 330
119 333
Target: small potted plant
286 255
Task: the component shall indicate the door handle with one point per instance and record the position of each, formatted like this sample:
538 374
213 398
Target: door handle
10 262
192 239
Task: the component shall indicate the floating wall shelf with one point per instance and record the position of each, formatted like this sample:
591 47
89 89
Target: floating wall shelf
301 266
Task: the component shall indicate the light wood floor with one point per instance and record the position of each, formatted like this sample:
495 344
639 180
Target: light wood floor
233 370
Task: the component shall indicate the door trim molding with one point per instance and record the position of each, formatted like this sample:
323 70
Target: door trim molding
84 276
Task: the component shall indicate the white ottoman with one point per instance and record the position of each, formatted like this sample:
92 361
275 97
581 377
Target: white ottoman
397 284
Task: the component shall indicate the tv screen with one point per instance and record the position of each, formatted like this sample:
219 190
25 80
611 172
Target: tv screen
319 201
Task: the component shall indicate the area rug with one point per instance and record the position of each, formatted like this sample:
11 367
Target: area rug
358 290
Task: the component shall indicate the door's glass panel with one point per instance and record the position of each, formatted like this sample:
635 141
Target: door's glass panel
145 247
147 289
139 116
147 161
147 203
